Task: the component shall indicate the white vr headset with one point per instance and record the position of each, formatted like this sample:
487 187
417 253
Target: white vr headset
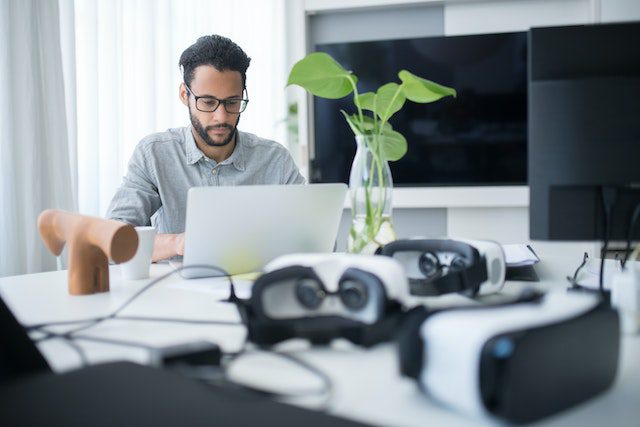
440 266
520 361
325 296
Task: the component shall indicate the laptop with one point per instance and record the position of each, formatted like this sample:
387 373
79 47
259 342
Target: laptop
242 228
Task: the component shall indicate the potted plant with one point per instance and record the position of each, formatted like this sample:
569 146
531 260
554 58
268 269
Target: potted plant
370 180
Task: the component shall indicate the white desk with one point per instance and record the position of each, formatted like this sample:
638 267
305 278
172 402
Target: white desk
367 386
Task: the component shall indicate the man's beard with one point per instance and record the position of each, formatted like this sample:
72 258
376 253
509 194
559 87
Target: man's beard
203 132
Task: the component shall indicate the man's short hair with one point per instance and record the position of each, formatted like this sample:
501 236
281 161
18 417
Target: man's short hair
217 51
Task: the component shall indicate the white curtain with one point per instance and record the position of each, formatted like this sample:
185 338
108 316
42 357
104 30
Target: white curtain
82 81
127 54
35 172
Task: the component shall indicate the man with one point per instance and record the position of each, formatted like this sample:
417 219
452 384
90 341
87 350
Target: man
209 152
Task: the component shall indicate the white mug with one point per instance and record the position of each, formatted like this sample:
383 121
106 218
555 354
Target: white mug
138 267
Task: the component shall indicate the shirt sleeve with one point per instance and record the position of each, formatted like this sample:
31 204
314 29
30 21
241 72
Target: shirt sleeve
137 198
291 173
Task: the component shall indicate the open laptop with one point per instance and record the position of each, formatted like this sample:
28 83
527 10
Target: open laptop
241 228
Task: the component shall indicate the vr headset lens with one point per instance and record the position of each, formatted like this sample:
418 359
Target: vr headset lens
430 265
296 292
309 292
354 288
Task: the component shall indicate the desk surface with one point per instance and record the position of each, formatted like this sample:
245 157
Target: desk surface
367 386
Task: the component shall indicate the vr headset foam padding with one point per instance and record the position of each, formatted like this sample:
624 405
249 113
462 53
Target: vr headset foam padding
519 362
441 266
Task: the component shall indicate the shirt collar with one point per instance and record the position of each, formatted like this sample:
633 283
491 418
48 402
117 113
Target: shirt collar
237 157
193 153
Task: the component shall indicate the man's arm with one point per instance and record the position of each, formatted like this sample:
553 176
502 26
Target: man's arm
167 246
137 198
291 174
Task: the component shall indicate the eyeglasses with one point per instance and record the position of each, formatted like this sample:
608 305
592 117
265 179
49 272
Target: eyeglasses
209 104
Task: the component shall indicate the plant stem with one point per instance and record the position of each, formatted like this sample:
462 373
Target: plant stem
355 98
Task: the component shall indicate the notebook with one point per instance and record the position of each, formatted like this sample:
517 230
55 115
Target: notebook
242 228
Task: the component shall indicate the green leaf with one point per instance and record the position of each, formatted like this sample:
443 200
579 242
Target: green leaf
322 76
422 90
372 126
394 145
389 100
367 101
366 126
354 123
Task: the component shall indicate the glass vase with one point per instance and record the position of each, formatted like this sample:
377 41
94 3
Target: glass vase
371 192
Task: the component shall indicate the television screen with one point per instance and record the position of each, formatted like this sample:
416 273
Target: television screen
477 138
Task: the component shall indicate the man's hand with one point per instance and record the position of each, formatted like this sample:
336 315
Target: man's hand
167 246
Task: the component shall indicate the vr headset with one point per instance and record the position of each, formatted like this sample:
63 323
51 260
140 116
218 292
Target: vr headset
520 362
325 296
441 266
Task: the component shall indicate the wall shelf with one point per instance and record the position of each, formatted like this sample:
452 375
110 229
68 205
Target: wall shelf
459 197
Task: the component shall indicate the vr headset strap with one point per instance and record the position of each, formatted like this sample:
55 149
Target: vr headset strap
467 280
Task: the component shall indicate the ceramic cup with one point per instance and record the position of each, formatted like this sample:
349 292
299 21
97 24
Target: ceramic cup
138 267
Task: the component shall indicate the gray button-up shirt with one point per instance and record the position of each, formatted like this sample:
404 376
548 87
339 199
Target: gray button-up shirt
165 165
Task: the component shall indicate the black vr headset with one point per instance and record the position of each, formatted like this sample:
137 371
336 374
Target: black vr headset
520 361
320 297
440 266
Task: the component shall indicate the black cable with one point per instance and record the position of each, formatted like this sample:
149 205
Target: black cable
326 380
70 339
38 327
113 341
197 373
603 254
632 226
70 336
96 320
73 333
153 282
608 201
175 320
84 361
574 280
325 390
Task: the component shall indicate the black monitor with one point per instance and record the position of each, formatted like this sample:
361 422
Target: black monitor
584 131
477 138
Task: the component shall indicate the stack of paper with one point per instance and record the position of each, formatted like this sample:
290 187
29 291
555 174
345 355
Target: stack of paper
518 255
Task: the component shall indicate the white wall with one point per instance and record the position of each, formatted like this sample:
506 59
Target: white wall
517 15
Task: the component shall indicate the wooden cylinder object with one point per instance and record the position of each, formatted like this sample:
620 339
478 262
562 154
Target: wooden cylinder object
91 241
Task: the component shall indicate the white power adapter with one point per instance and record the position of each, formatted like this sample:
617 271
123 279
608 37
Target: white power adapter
625 296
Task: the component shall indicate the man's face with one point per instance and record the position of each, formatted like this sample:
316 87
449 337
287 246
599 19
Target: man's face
216 128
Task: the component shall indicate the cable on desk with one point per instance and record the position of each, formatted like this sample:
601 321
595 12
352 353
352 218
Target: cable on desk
70 336
97 320
176 320
220 374
632 225
574 280
609 195
223 380
84 361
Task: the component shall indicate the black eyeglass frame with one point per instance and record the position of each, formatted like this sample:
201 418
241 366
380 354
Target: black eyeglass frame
224 102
